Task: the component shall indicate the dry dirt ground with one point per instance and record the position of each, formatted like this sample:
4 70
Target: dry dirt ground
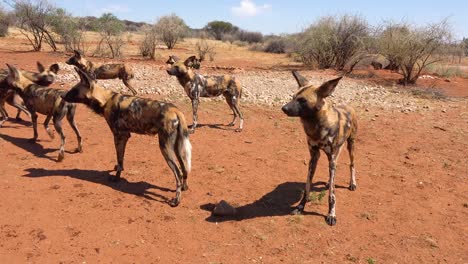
411 204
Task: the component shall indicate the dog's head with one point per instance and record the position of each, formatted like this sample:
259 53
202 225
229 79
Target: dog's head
16 80
309 99
179 68
172 59
82 92
77 60
45 77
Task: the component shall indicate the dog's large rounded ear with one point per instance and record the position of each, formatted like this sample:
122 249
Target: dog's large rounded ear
189 61
327 88
172 59
40 67
77 54
54 68
13 73
84 77
301 80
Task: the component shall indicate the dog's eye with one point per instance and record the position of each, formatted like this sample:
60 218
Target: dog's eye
301 100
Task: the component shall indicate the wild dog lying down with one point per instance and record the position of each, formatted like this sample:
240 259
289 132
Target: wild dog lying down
327 128
44 77
46 101
129 114
104 71
197 85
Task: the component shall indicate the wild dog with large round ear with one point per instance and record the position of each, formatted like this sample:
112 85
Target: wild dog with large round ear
197 85
44 77
46 101
104 71
127 114
327 128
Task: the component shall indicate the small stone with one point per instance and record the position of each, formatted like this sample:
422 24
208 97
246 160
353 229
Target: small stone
224 209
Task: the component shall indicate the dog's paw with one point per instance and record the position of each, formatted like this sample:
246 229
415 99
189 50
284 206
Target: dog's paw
32 140
238 130
231 124
298 210
184 186
352 187
50 133
60 157
331 220
174 202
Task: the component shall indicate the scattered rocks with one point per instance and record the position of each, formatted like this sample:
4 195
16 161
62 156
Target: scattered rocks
224 209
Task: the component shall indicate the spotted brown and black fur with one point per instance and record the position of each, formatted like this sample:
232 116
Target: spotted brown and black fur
327 128
197 85
104 71
127 114
44 77
46 101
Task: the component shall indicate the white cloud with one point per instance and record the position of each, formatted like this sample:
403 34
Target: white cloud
115 9
248 8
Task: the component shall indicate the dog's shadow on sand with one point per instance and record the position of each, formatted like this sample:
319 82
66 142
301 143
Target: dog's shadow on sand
278 202
33 147
141 188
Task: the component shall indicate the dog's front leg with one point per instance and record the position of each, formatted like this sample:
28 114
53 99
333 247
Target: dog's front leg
120 142
314 157
332 159
195 102
34 123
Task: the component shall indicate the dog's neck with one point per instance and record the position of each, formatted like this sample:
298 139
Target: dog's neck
319 116
99 99
186 78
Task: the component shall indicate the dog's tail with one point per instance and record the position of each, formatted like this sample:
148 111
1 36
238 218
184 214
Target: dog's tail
184 148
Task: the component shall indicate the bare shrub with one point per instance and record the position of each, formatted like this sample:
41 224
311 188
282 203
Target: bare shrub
249 36
69 30
33 21
6 20
413 48
150 41
204 48
110 29
333 42
171 29
276 45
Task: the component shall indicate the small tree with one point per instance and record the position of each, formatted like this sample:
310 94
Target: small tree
249 36
148 46
218 28
33 20
171 29
111 31
413 48
204 48
69 29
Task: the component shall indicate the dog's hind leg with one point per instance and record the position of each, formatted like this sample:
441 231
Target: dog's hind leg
46 126
231 105
4 113
71 121
57 119
167 144
16 101
352 183
314 157
239 113
34 123
120 142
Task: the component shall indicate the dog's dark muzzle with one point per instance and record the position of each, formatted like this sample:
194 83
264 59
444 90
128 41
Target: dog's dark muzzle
291 109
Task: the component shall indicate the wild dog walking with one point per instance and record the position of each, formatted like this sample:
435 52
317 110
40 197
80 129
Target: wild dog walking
127 114
46 101
197 85
44 77
327 128
104 71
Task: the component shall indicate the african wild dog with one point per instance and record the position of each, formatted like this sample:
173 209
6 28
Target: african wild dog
44 77
127 114
327 128
47 101
197 85
104 71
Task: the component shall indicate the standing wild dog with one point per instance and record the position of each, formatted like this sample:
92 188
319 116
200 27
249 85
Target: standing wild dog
47 101
104 71
44 77
197 85
127 114
327 128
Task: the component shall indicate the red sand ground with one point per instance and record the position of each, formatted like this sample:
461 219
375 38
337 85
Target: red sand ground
410 205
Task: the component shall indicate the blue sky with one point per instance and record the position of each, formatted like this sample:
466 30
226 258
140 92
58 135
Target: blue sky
277 16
